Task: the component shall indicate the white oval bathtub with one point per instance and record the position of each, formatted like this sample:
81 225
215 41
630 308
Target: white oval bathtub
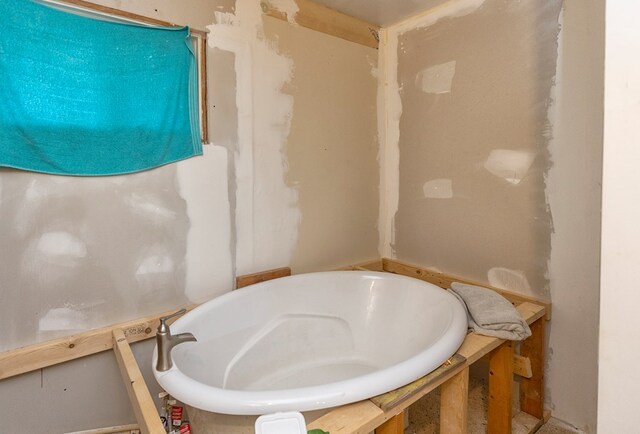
312 341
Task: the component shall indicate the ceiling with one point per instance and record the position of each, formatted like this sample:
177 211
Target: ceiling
381 12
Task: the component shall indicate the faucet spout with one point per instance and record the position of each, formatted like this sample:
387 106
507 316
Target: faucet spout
166 341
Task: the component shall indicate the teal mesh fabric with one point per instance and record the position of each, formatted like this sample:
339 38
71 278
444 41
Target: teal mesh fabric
83 96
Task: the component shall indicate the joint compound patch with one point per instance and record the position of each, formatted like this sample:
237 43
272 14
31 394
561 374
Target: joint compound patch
61 244
437 79
288 7
512 166
438 189
513 280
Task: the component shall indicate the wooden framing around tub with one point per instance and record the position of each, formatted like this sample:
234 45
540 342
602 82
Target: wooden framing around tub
384 413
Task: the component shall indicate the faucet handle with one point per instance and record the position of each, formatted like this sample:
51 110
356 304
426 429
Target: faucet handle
163 328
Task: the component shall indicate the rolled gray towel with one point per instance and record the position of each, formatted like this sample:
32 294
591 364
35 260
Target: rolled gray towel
491 314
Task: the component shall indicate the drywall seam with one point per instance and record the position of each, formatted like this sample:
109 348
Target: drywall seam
390 112
227 34
267 213
202 183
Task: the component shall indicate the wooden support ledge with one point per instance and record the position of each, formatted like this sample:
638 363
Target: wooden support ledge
445 280
329 21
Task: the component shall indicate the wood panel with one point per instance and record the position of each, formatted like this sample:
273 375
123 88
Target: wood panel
522 366
444 281
532 389
454 404
329 21
395 425
143 407
500 389
263 276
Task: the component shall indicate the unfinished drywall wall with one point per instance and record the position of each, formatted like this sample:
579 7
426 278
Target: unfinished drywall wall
574 196
474 82
332 148
81 253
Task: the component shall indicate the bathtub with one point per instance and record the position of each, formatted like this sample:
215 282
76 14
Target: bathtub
311 342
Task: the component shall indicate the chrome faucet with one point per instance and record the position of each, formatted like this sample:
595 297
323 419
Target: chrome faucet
166 341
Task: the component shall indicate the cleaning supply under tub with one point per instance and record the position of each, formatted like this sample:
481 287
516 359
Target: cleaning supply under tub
491 314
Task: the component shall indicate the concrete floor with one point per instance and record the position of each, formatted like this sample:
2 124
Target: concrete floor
424 415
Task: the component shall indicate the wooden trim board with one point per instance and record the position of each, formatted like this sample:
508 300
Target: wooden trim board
444 281
263 276
329 21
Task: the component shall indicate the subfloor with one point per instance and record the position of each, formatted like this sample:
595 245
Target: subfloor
424 415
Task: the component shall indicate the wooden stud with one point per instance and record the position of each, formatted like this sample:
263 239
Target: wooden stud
454 404
120 429
522 366
202 76
263 276
395 425
444 281
500 389
532 389
329 21
143 407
